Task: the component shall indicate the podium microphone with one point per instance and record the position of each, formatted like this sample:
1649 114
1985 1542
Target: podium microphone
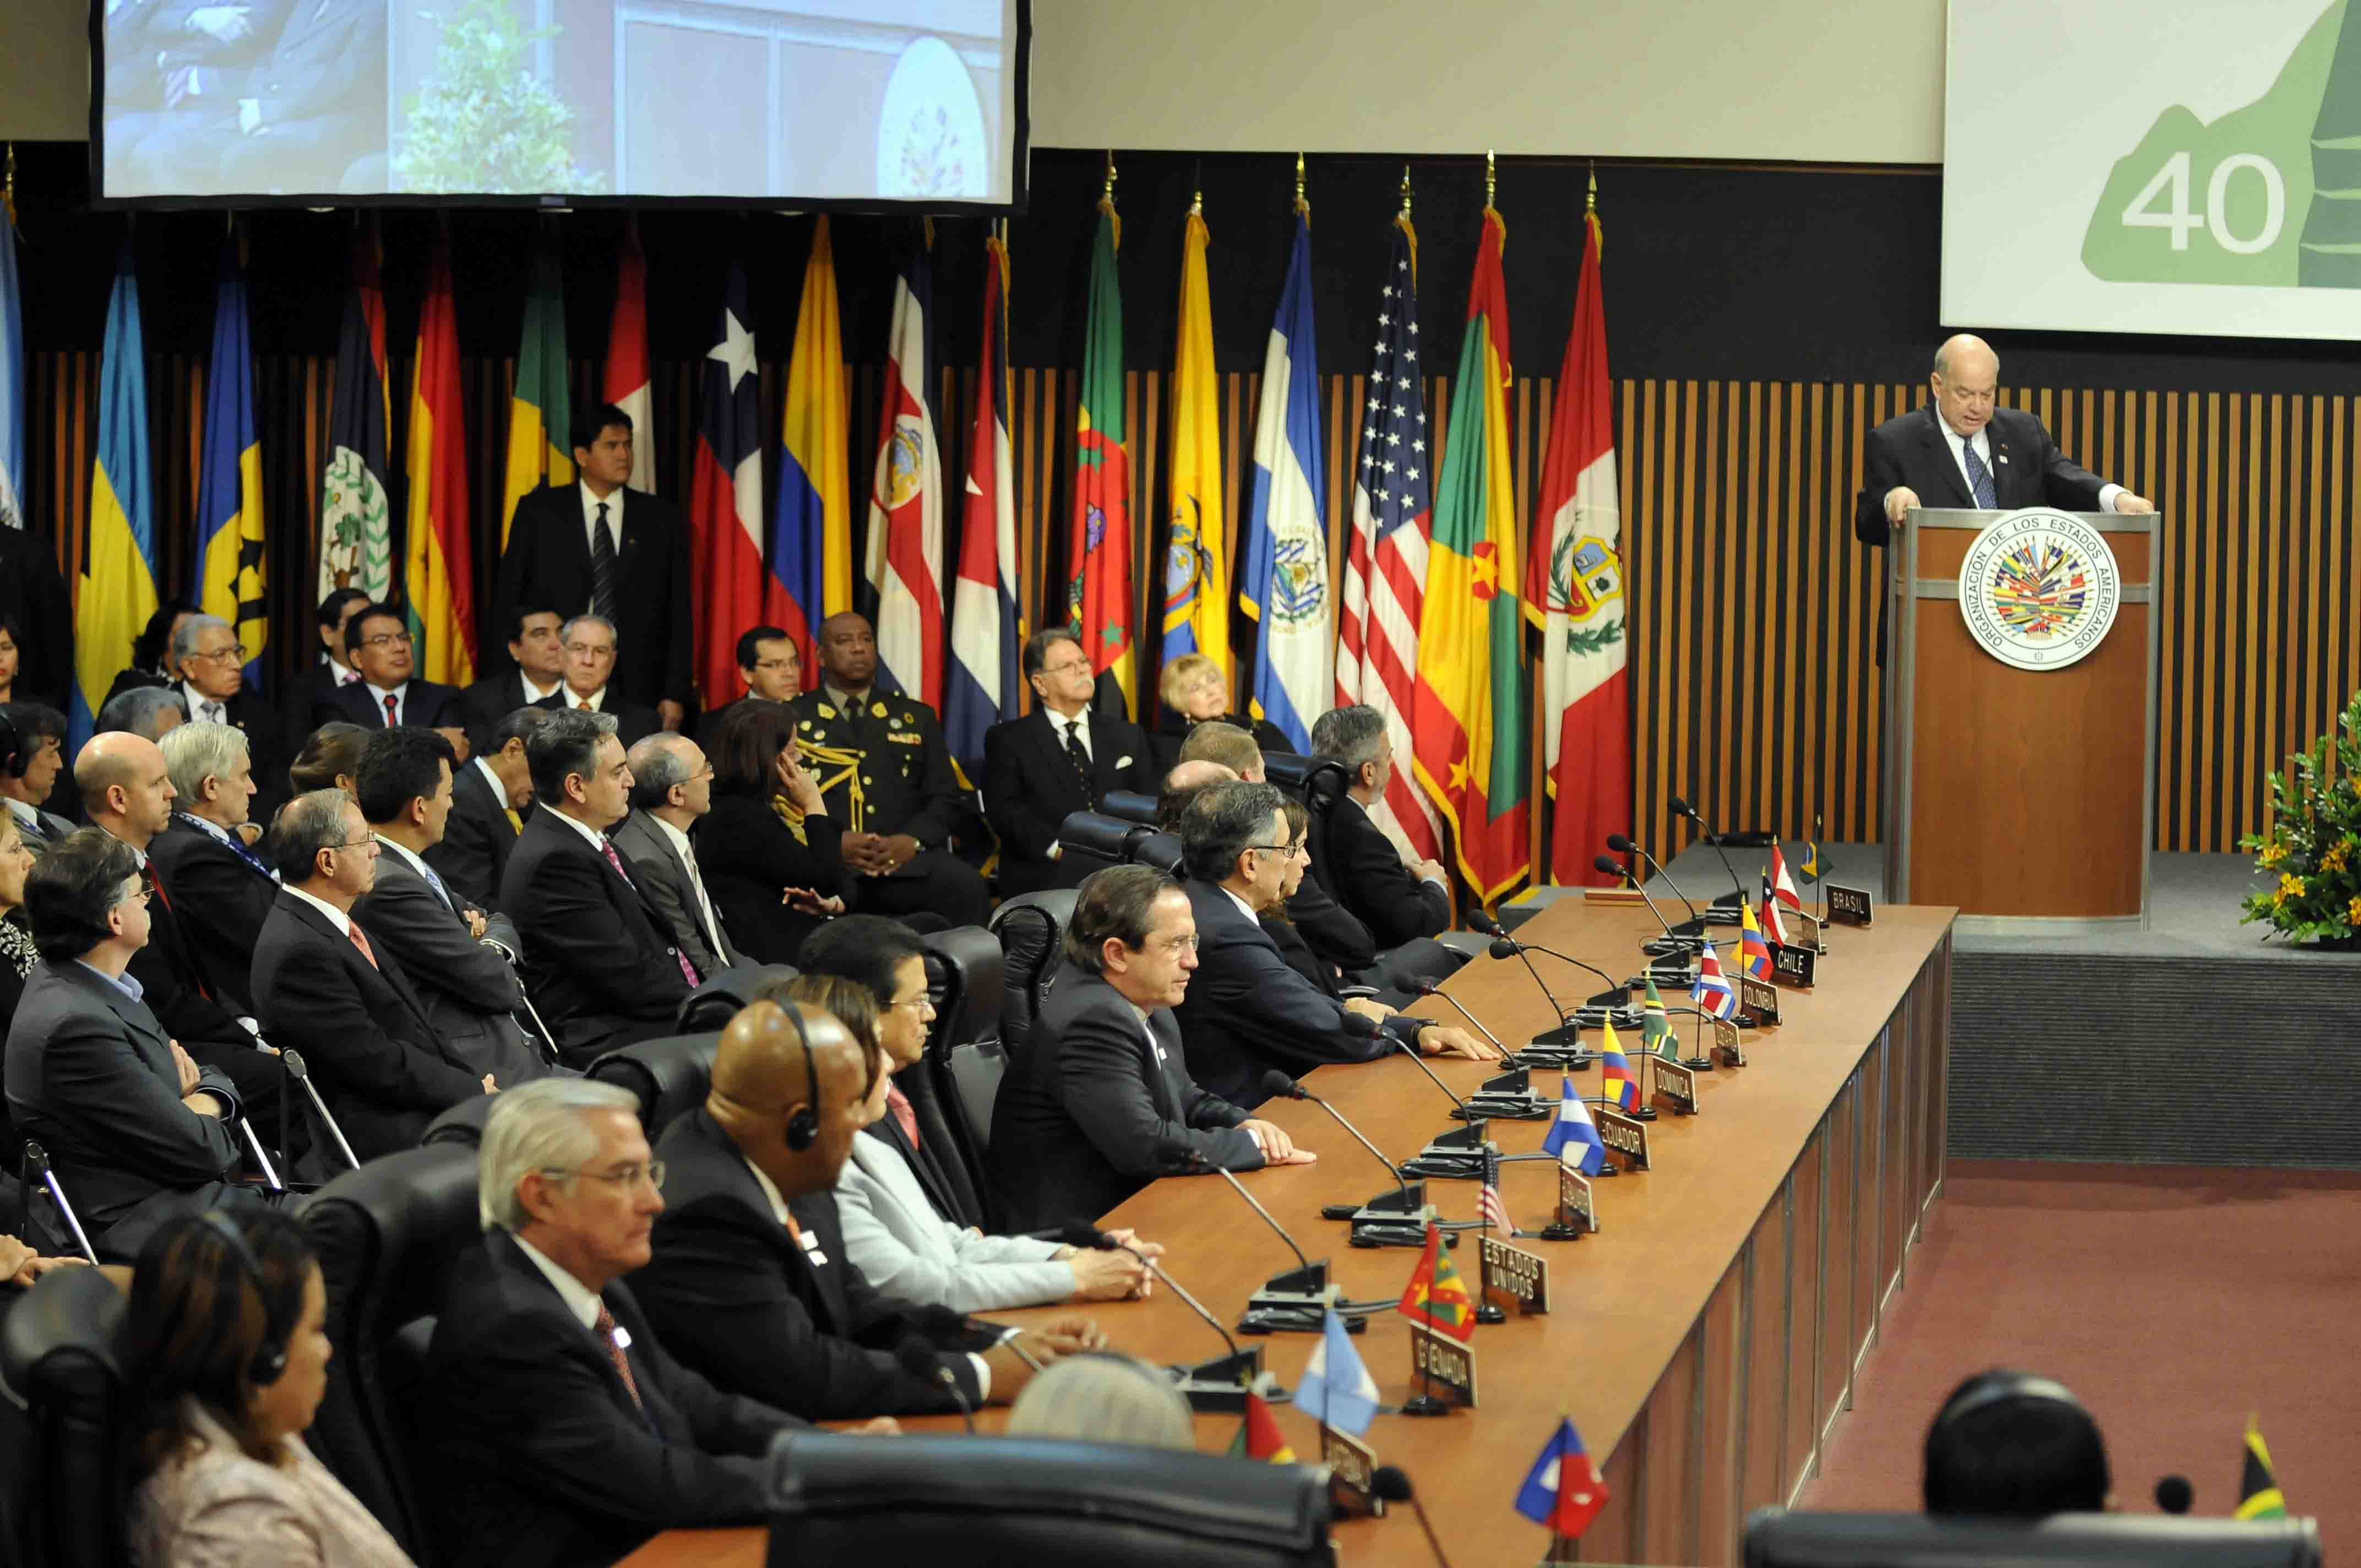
1385 1220
918 1359
1278 1085
1624 844
1683 808
1388 1482
1569 1031
1449 1154
1219 1384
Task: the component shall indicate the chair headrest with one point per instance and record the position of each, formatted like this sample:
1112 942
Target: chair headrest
1091 832
714 1004
1778 1537
462 1124
1161 850
1031 929
1131 805
1310 780
968 974
61 1336
671 1076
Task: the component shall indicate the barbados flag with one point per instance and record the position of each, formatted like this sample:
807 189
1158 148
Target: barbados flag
1753 953
1712 992
1573 1137
229 492
811 525
1197 556
117 591
1285 593
1437 1297
1618 1085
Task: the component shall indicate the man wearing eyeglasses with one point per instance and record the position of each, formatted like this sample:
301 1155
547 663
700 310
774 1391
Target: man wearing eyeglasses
588 643
377 644
1058 758
672 786
212 683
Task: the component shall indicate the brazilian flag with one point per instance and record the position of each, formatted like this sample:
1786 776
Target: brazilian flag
2258 1488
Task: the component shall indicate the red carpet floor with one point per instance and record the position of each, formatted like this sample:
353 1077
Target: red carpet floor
2174 1301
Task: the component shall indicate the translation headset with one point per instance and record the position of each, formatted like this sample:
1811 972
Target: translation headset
803 1127
15 757
270 1356
2004 1388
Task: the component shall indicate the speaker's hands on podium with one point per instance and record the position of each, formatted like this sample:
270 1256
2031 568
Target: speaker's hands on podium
1898 502
1109 1276
1277 1147
2134 506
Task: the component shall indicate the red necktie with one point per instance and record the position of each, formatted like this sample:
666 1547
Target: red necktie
604 1327
688 969
362 943
904 1118
392 719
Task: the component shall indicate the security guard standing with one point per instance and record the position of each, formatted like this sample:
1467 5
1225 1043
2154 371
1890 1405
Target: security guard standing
880 763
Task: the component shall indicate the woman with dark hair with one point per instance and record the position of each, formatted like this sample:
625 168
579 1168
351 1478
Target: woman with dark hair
12 658
768 850
331 759
152 651
224 1351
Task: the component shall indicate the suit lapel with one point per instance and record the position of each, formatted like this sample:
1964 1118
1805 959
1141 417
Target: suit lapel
889 1132
1938 450
134 1014
362 971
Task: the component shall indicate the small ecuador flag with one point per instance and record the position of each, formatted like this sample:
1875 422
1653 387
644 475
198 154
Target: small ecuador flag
2258 1484
1617 1086
1563 1489
1260 1437
1753 954
1437 1297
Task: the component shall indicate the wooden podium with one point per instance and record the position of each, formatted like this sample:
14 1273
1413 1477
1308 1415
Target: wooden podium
2026 796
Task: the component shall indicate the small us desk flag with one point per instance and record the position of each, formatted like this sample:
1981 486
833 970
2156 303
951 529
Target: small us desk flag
1573 1135
1488 1207
1563 1489
1336 1389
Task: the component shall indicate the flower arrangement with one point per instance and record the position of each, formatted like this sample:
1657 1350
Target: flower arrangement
2315 844
484 122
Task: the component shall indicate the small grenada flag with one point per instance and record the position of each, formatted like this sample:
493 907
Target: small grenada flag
2258 1484
1260 1437
1437 1297
1617 1084
1753 955
1563 1489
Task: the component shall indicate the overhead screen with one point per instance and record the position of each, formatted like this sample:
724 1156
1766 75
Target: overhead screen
2154 165
854 100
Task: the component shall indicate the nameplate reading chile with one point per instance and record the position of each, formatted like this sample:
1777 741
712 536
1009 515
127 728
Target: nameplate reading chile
1793 966
1446 1367
1518 1275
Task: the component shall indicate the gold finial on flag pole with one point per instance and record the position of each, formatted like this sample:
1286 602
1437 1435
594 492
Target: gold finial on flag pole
1491 177
8 189
1197 191
1405 193
1300 204
1108 194
1590 201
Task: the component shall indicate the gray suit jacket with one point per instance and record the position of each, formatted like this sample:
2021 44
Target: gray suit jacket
660 869
46 832
468 992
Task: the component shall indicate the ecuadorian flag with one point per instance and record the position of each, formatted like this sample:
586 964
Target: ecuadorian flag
229 493
811 525
1617 1086
117 591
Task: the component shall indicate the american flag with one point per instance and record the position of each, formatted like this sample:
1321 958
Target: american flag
1488 1207
1385 570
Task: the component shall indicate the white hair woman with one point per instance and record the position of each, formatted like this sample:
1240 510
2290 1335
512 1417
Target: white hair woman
1098 1396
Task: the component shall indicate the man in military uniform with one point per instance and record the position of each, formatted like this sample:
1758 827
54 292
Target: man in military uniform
880 762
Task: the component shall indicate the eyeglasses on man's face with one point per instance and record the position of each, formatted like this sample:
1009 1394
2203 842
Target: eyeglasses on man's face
385 640
625 1177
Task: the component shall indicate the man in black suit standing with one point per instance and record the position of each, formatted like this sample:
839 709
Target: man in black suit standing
491 797
1059 758
772 669
378 642
565 1432
882 768
224 891
321 985
137 1131
537 648
749 1282
604 966
471 992
1247 1011
589 650
598 547
213 684
1082 1111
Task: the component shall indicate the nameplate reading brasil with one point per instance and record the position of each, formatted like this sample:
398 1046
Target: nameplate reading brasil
1849 905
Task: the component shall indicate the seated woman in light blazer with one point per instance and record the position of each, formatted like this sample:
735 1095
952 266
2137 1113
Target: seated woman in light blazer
224 1359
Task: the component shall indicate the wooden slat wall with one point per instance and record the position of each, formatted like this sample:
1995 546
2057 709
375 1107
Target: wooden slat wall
1755 684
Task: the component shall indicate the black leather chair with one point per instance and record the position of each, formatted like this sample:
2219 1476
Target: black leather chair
462 1124
951 1090
714 1004
1040 1503
1092 841
1032 934
671 1076
1161 850
58 1355
1777 1538
386 1234
1131 805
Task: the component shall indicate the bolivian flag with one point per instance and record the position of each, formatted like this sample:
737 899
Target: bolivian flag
1437 1296
438 569
1468 719
540 416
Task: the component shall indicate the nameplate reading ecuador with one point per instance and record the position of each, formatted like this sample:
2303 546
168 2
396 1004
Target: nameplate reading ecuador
1624 1136
1442 1366
1725 1042
1760 1000
1518 1275
1677 1084
1351 1463
1793 966
1849 905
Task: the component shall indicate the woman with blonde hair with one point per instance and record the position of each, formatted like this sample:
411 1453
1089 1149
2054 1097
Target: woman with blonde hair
1192 690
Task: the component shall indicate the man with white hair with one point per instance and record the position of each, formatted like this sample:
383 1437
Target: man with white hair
213 684
589 642
672 787
222 888
565 1431
149 712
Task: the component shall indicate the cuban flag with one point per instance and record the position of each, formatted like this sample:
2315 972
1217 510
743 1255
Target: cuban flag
1284 590
1573 1137
1563 1490
981 687
1711 991
725 497
905 548
1336 1389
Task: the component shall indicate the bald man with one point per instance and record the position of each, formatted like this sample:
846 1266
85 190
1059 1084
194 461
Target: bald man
749 1284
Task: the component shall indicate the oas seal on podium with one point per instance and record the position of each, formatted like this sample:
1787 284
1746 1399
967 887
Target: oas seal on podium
2039 588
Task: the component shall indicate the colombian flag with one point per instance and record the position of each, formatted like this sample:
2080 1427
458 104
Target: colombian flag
1197 559
1437 1297
1468 718
438 567
229 493
1753 953
1617 1086
811 525
540 418
117 591
1260 1437
1098 550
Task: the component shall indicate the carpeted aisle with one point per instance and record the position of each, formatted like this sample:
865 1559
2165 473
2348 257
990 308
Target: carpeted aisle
2173 1300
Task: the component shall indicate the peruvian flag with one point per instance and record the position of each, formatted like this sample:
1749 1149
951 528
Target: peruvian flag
982 687
904 567
1573 593
626 385
725 498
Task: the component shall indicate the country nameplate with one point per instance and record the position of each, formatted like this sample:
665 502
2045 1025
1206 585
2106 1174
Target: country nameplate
1578 1212
1760 1000
1849 905
1516 1275
1793 966
1352 1464
1725 1042
1442 1366
1677 1084
1812 931
1624 1136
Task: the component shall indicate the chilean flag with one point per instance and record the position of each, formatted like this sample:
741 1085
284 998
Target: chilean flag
981 688
627 378
725 498
904 567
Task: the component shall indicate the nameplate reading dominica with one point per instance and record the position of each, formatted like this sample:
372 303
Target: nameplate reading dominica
1574 1200
1624 1136
1518 1275
1677 1084
1793 966
1849 905
1351 1463
1725 1042
1760 1001
1442 1366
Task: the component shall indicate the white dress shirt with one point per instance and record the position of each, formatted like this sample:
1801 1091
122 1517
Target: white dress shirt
534 694
595 702
598 840
613 502
399 693
1981 443
198 702
579 1298
336 917
500 790
1079 726
679 842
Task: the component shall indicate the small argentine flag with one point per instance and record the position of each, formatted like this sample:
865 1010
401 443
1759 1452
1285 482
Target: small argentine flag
1336 1389
1572 1132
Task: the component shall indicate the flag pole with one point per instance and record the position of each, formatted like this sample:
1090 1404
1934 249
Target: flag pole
1486 1312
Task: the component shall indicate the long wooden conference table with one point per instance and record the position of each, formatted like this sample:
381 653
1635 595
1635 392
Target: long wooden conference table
1704 1339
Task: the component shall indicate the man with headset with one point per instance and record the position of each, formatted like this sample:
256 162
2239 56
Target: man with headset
2013 1445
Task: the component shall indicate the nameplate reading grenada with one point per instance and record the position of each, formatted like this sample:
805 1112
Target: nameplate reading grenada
1793 966
1518 1275
1677 1084
1725 1042
1442 1366
1849 905
1624 1136
1761 1001
1573 1197
1351 1464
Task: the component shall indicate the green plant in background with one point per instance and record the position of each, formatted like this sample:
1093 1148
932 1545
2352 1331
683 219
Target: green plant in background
484 122
2315 846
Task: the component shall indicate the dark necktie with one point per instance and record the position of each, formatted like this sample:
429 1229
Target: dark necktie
688 969
392 716
602 567
1979 480
604 1327
1076 755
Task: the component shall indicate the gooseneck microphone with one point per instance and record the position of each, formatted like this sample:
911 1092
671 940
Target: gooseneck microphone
1672 939
1173 1151
1428 988
1683 808
1624 844
1504 946
1411 1051
1388 1481
1218 1385
919 1360
1278 1085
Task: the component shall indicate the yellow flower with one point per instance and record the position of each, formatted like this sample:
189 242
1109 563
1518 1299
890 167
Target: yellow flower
2290 886
2353 914
2335 859
2273 854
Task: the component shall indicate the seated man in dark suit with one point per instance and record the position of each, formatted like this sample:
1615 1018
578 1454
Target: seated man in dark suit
566 1433
324 987
590 646
223 891
1059 758
772 669
539 652
329 672
492 796
604 966
750 1284
413 917
1085 1109
1247 1012
41 739
213 685
1399 900
136 1131
883 771
377 643
672 787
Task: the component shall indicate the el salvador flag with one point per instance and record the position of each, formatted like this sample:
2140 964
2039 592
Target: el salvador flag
1335 1388
1572 1129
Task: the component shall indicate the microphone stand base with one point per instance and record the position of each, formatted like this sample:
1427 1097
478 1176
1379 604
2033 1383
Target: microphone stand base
1567 1032
1286 1320
1556 1059
1425 1404
1529 1108
1555 1232
1698 1064
1489 1313
1590 1016
1445 1168
1219 1387
1383 1232
1672 946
